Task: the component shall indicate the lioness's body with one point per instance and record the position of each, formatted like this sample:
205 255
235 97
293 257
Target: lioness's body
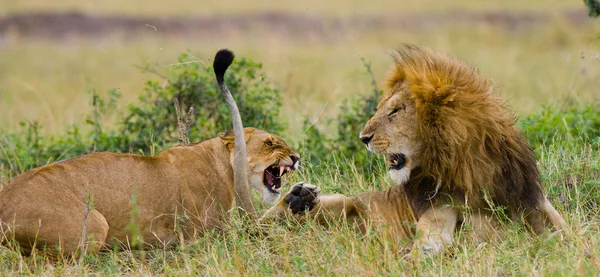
175 180
191 186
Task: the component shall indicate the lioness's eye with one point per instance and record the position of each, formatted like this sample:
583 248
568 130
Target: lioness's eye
269 143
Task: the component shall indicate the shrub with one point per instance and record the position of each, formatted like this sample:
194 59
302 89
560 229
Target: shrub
153 116
570 126
348 149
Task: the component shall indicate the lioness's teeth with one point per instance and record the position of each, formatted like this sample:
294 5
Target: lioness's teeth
281 170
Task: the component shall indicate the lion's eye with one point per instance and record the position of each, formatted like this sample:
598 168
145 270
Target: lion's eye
394 111
269 143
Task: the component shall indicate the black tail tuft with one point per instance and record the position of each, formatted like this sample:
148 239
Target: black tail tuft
223 60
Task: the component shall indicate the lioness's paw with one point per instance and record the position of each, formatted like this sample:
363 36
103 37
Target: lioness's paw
302 197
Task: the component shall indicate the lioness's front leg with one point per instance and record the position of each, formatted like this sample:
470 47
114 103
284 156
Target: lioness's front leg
435 230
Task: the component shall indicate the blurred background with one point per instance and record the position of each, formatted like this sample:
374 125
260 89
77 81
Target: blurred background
52 53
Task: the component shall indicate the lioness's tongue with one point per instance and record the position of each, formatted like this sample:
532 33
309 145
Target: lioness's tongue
269 179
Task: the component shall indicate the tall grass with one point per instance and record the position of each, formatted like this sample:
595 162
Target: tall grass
571 179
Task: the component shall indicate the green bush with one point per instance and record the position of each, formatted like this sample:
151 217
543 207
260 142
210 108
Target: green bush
153 116
152 122
354 114
570 126
593 8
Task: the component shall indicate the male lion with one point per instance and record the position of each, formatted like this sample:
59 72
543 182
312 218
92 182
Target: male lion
453 151
190 188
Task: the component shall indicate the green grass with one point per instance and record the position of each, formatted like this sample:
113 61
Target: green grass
310 249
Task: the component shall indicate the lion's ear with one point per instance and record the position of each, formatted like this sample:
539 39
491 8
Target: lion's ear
394 76
433 92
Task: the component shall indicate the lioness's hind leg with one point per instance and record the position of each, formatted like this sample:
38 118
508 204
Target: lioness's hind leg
96 232
58 232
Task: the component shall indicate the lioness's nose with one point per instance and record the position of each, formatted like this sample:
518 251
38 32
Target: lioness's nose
366 139
294 158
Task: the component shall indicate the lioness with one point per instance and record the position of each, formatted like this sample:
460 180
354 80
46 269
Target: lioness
191 186
453 151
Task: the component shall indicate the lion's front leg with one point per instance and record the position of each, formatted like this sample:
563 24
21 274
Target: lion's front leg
435 230
305 200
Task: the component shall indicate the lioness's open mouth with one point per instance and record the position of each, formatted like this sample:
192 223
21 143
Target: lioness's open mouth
397 161
273 174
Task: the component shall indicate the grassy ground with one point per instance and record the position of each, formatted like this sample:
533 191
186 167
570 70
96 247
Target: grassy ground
534 64
312 250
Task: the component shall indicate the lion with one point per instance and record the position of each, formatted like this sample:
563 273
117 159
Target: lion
87 203
453 152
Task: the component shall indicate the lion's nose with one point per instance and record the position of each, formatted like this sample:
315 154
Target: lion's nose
366 139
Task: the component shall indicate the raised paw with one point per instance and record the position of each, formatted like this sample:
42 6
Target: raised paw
302 197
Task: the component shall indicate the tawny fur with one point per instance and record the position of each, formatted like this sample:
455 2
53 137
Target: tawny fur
184 188
460 139
387 212
464 153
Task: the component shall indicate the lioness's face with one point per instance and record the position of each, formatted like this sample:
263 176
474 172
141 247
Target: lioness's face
269 159
392 132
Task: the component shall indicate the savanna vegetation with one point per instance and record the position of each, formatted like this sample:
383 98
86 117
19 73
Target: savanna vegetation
63 98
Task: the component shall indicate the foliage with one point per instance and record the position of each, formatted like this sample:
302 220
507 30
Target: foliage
152 121
354 113
569 127
593 7
153 116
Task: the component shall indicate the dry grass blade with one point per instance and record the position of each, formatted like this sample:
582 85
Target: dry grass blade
183 121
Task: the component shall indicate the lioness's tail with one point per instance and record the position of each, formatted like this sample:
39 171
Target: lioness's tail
223 60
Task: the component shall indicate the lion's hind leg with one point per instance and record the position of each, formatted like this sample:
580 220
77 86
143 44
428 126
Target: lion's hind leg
545 217
552 216
484 226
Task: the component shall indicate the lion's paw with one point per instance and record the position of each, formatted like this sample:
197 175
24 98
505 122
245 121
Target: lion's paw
430 248
302 197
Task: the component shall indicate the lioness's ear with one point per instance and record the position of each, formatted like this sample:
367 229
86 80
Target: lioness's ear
228 137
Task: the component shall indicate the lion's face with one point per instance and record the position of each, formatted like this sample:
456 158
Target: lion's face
392 131
269 160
